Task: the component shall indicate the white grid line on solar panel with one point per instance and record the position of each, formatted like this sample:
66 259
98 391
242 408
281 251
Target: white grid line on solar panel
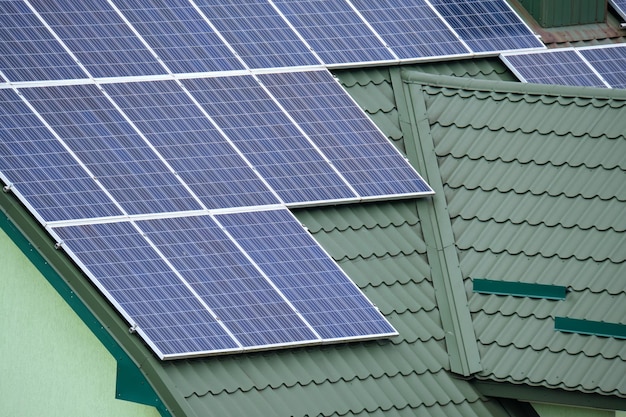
487 26
620 8
261 37
99 37
148 292
317 287
28 50
186 137
334 31
151 273
88 122
609 61
344 133
179 35
225 276
42 171
262 132
562 66
411 29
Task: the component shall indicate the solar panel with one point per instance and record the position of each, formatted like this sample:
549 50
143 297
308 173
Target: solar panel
264 134
184 136
28 51
610 62
257 32
190 287
411 29
334 31
563 67
350 140
98 37
52 182
487 25
145 289
179 35
620 7
305 274
90 125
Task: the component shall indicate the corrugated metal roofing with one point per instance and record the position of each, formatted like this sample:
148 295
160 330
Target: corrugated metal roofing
536 187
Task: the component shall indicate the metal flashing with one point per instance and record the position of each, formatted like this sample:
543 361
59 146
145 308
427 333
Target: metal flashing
590 327
519 289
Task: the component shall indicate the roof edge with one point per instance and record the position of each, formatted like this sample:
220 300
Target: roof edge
131 356
549 395
413 76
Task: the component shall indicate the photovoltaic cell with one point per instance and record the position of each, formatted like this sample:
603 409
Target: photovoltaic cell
554 67
179 35
334 31
188 141
620 7
28 51
257 32
98 37
610 62
227 281
137 280
38 166
305 274
328 115
411 29
487 25
268 139
89 124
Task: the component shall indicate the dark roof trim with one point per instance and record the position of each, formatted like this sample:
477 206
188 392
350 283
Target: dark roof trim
414 76
588 327
437 228
548 395
520 289
134 361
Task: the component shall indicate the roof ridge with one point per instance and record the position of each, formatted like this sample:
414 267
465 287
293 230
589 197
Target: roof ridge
464 83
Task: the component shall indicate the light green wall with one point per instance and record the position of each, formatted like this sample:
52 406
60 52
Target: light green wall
50 362
551 410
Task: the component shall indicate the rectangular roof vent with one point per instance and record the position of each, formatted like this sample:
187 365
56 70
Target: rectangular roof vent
520 289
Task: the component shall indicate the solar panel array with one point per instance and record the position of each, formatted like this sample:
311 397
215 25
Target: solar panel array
597 66
162 146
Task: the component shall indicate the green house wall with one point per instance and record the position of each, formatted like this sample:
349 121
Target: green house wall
51 363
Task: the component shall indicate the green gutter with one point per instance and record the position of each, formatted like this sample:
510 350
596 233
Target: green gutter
141 377
437 228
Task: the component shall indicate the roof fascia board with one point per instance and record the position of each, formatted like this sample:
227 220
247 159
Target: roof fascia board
437 228
94 311
466 83
549 395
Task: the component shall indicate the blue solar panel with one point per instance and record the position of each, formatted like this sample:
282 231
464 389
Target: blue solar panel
343 132
145 289
555 67
44 172
334 31
620 7
188 141
90 125
264 134
258 33
28 51
244 300
410 28
487 25
98 36
305 274
179 35
610 62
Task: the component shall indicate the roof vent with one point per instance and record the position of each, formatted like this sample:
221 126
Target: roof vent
556 13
